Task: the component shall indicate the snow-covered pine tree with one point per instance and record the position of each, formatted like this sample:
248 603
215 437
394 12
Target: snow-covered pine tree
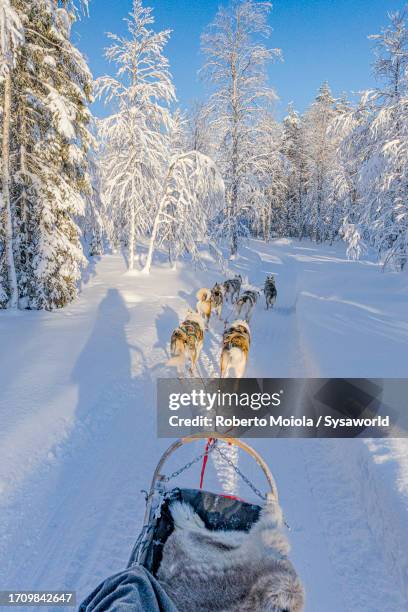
293 150
320 150
235 68
135 136
52 87
11 39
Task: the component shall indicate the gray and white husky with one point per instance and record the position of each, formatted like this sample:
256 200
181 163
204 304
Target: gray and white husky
217 298
270 291
229 571
232 287
246 303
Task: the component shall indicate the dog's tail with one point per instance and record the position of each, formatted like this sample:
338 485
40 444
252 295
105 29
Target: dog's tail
224 363
203 295
178 352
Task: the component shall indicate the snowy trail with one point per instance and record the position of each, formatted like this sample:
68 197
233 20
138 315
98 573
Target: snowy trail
78 438
335 495
343 502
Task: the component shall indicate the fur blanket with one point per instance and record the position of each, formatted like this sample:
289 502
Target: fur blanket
229 571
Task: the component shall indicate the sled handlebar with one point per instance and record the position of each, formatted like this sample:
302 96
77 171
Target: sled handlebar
157 476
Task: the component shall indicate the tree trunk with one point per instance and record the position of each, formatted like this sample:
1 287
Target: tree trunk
148 263
11 269
233 220
234 242
24 259
156 224
131 245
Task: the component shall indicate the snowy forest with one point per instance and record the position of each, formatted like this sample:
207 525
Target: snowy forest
152 175
167 213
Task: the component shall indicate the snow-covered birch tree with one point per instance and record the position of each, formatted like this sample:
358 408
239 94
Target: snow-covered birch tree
135 136
199 130
95 224
350 129
192 195
267 197
374 153
236 59
11 38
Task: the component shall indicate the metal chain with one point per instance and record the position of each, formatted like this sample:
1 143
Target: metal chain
241 475
213 446
188 465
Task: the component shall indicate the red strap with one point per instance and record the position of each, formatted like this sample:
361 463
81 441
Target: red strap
205 459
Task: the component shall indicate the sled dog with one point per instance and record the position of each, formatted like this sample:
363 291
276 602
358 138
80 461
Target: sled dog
229 571
204 304
232 287
235 349
246 303
217 298
270 291
186 342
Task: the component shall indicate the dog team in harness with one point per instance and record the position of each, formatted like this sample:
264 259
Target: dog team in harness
187 339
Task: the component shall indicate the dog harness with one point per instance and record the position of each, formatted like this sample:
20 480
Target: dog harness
235 342
190 329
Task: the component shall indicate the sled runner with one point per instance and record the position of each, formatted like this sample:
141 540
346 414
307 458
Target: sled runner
218 512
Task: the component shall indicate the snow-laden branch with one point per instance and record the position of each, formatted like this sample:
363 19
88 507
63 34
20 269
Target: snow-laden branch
192 194
11 36
135 138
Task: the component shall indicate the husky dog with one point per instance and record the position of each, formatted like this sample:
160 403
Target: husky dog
245 303
187 342
204 304
232 287
217 298
235 348
229 571
270 291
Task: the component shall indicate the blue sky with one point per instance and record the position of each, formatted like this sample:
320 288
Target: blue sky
320 39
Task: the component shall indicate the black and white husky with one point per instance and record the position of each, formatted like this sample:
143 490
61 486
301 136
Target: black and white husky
246 303
232 288
270 291
217 298
230 571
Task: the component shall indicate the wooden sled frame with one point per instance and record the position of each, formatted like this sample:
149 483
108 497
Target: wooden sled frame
159 490
159 477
